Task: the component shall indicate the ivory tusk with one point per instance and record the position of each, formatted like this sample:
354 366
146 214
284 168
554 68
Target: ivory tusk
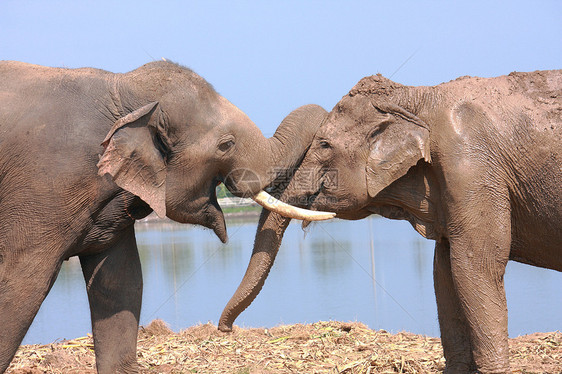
286 210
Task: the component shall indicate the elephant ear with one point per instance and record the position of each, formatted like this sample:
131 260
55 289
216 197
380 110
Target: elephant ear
134 160
397 144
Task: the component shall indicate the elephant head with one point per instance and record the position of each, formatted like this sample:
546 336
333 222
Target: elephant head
176 138
365 144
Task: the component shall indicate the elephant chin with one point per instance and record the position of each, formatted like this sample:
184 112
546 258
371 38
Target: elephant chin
208 214
216 221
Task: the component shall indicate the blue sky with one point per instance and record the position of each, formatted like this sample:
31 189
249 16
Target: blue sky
271 57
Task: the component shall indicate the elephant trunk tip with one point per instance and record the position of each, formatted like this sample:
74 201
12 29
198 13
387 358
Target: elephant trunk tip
225 326
226 321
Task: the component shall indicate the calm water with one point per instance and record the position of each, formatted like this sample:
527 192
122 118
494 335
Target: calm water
327 273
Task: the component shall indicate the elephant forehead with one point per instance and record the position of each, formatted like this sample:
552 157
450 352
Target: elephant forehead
354 106
229 112
359 109
343 126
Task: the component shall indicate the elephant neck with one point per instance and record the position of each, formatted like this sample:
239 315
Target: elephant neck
418 101
130 94
115 90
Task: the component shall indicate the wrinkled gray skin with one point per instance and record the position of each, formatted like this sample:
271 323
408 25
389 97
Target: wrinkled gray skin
474 164
168 139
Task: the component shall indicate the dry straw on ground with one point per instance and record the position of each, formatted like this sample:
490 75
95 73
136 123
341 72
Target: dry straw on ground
322 347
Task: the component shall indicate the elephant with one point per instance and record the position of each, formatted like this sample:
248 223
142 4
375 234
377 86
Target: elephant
473 164
86 152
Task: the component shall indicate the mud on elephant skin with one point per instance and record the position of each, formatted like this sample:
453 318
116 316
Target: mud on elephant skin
474 164
85 152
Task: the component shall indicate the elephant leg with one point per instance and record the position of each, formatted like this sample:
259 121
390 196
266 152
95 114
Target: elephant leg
455 335
25 281
479 256
114 285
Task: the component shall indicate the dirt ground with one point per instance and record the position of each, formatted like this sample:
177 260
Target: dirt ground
322 347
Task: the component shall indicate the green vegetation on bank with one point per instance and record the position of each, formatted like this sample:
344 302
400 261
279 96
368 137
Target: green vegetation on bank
242 209
223 192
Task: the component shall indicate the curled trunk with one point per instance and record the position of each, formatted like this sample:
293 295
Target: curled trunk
294 135
269 235
263 159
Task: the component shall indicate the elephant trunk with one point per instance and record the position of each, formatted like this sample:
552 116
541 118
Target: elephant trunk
287 148
269 235
294 135
265 159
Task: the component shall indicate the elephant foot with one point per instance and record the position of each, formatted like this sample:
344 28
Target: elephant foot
463 368
460 368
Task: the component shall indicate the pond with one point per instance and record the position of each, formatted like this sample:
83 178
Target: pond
376 271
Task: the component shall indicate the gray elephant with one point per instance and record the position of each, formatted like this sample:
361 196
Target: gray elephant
474 164
84 153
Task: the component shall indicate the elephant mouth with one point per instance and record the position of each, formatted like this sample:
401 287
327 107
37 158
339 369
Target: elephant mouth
204 210
311 200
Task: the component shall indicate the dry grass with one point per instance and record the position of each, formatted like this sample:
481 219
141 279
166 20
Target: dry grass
322 347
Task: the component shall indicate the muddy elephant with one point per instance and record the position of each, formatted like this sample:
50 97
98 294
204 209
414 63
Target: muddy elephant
474 164
84 153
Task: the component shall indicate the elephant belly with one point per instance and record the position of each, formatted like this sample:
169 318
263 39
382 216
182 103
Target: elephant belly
536 209
537 240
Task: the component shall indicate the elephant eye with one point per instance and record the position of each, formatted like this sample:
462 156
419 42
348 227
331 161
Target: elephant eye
376 132
225 146
324 144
